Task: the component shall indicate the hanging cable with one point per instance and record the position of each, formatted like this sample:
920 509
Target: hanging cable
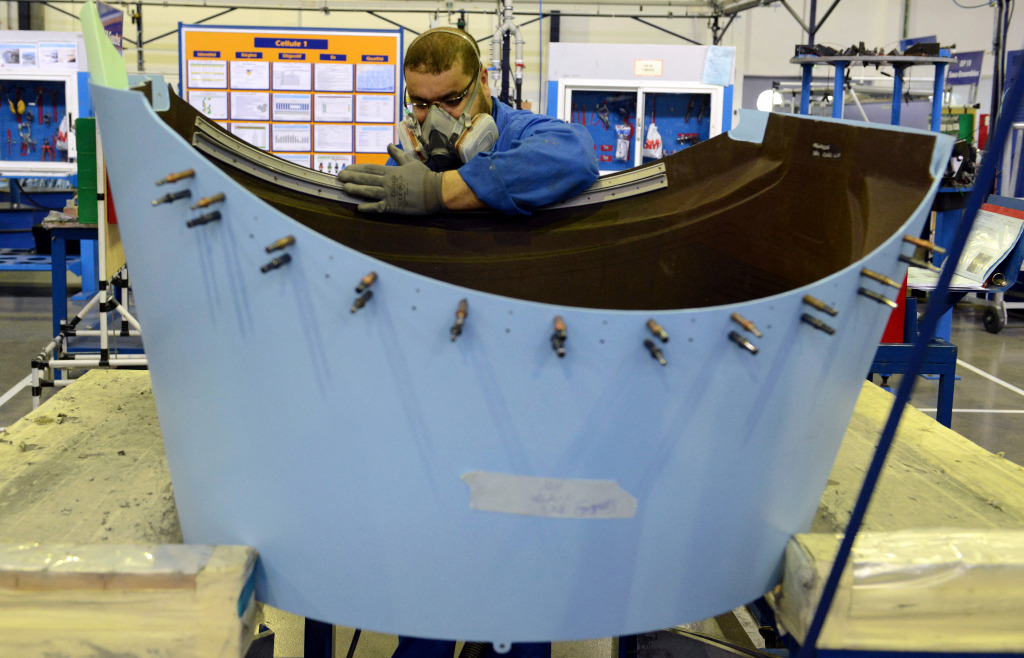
38 206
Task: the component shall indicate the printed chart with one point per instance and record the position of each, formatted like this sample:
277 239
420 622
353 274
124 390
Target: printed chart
320 98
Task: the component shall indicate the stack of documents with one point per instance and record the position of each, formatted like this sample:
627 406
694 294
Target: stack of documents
995 233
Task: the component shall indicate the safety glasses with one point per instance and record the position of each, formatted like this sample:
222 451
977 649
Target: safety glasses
449 104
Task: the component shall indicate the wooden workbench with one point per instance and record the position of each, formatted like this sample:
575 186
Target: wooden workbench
933 477
91 559
938 565
88 467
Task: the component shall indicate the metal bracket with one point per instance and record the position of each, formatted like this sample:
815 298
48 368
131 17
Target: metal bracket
632 182
259 164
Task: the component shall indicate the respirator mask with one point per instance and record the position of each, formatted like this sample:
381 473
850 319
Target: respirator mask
444 142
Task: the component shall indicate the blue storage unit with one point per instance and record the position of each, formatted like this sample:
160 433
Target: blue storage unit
685 91
618 116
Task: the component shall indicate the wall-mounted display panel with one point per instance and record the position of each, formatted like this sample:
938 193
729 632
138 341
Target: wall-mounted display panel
321 98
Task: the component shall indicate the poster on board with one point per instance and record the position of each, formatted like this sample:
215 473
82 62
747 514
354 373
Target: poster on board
320 98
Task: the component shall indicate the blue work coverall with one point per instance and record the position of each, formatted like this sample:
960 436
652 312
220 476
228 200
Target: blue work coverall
537 160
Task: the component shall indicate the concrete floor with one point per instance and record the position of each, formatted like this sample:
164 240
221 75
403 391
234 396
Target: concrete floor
988 408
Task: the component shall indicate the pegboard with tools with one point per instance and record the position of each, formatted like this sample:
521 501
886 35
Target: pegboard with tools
641 102
610 118
634 125
33 120
679 120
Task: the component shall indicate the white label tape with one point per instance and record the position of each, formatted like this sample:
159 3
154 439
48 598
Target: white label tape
548 497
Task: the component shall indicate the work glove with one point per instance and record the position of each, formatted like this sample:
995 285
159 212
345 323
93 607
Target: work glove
411 188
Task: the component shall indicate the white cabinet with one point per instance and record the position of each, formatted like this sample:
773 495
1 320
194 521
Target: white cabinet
618 113
28 138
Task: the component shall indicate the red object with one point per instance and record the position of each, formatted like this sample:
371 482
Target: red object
9 142
606 158
1009 212
607 147
982 131
894 331
47 150
111 214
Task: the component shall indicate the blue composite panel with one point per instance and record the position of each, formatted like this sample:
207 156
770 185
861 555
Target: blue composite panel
342 445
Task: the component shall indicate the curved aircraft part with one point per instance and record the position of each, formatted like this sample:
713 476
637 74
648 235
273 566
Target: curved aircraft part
400 475
602 419
725 221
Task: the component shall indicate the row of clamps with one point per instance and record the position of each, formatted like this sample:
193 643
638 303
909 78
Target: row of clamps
209 216
877 277
201 204
739 338
560 333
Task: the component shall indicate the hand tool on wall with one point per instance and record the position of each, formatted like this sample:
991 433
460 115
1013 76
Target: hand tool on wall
10 142
25 133
47 151
16 104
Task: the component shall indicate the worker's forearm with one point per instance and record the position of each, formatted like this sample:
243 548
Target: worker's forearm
457 195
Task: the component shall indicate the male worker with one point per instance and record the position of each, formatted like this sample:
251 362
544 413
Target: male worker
464 150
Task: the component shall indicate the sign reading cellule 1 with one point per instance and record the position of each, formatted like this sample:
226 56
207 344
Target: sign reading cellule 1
319 98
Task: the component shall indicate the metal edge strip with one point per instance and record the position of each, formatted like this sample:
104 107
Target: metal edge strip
243 156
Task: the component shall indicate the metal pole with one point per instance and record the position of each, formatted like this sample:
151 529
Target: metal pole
997 69
838 88
658 27
863 114
506 64
812 28
938 88
138 36
897 96
805 88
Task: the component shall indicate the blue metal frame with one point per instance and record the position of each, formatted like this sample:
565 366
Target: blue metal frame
13 260
838 95
58 280
918 356
940 359
807 64
894 358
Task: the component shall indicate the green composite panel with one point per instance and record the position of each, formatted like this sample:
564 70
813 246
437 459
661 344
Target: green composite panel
85 132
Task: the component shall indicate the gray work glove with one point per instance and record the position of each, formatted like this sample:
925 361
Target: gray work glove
411 188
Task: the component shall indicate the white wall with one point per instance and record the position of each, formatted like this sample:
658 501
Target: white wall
764 37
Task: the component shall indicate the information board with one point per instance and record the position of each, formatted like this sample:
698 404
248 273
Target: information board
320 98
